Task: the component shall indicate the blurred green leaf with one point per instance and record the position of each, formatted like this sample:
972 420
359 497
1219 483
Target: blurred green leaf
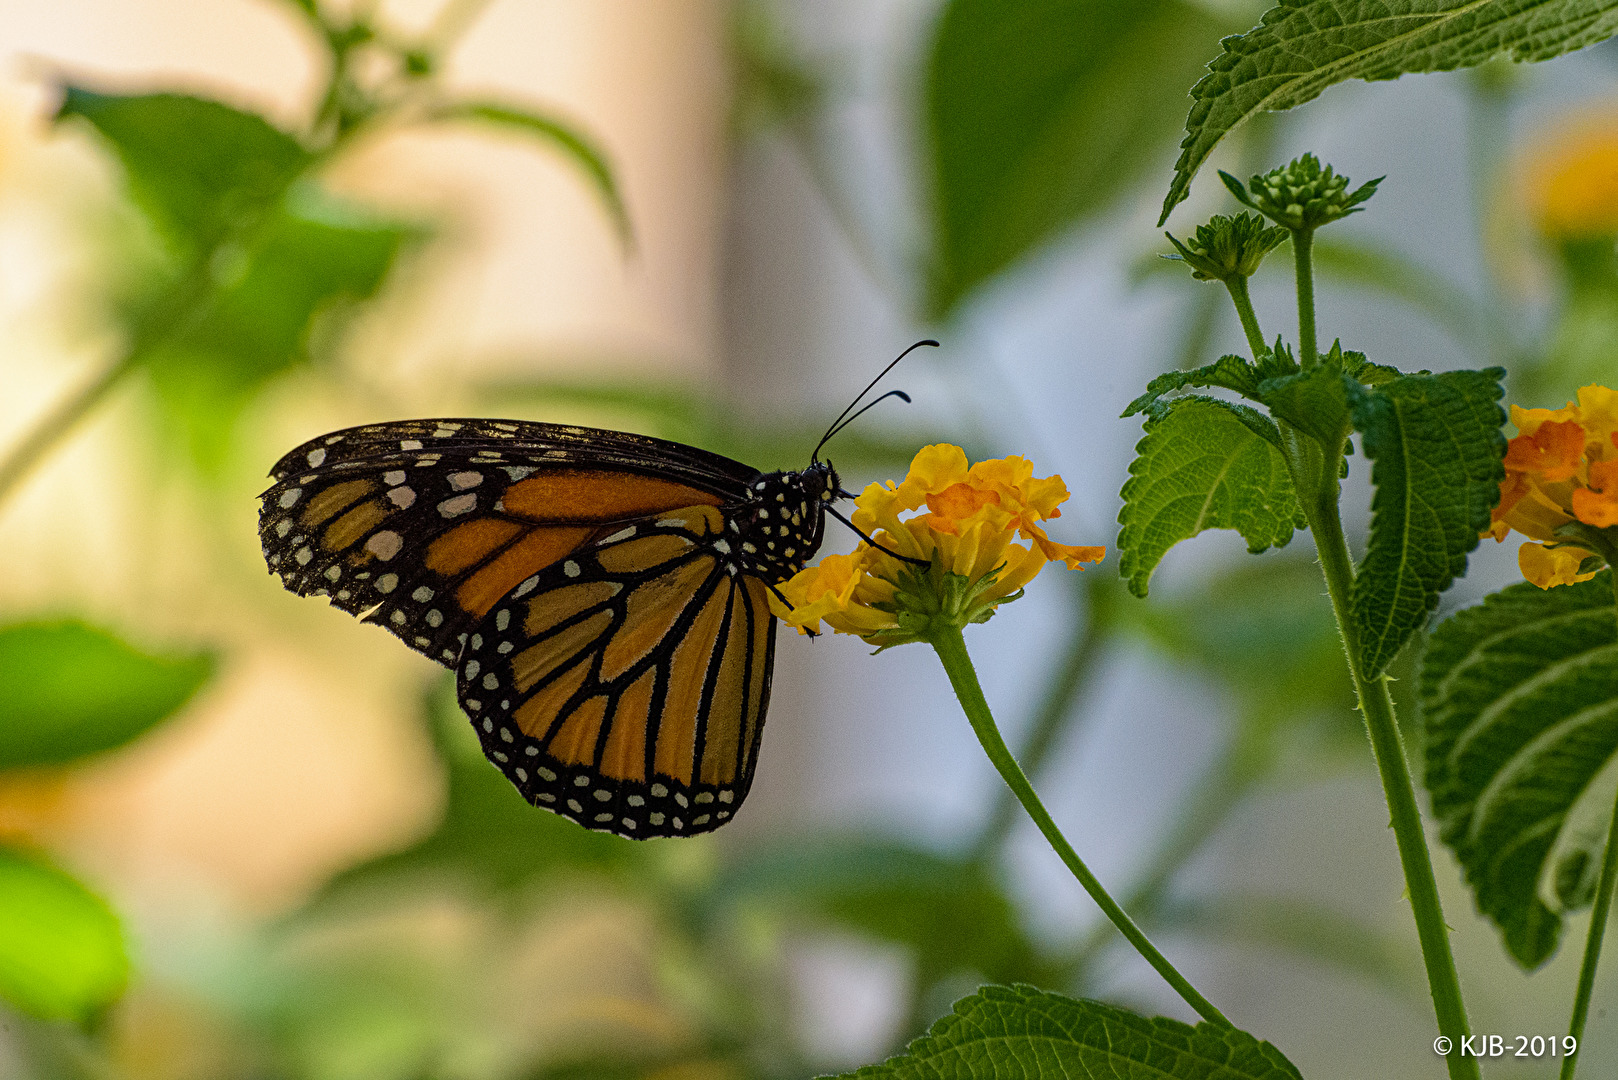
198 168
62 953
1023 1033
1040 114
1307 930
1520 695
1372 268
1202 466
489 834
688 413
73 690
1303 46
951 913
315 258
564 137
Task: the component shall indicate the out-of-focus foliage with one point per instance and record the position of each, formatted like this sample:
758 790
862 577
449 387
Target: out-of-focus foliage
62 954
1041 113
72 690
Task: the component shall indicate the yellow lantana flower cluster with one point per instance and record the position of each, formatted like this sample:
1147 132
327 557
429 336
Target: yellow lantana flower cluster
972 516
1573 182
1561 469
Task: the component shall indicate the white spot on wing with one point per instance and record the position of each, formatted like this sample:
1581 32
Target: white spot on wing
410 444
621 534
570 568
422 595
460 504
385 544
317 457
387 583
402 497
462 480
517 472
290 498
397 476
526 587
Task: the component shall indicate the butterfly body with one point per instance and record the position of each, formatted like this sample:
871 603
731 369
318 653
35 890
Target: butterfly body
601 596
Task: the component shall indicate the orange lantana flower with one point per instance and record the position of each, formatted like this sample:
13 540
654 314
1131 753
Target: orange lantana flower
973 516
1561 469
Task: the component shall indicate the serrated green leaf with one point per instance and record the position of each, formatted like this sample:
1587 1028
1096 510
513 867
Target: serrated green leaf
949 912
1520 701
1228 372
309 258
1039 114
62 954
1315 402
564 137
199 169
1303 46
1024 1033
1202 466
1437 451
72 690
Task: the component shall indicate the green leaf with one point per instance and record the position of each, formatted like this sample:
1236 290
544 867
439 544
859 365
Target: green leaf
489 834
62 953
948 911
1437 450
1381 271
73 690
1310 931
313 258
1202 465
198 169
1228 372
1315 402
1023 1033
1520 696
1039 114
564 137
1303 46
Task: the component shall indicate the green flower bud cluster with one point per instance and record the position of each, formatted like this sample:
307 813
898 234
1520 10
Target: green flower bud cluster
1301 196
1228 247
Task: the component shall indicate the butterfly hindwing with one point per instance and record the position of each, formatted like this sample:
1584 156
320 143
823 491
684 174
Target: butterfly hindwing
626 685
422 525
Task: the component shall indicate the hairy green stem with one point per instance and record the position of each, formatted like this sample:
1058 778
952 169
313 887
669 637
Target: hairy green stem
1598 927
1303 242
1315 476
1051 720
56 423
1244 311
947 641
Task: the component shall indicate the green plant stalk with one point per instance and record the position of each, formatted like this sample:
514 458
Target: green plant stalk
947 641
1244 310
1089 636
1598 926
1303 242
1314 474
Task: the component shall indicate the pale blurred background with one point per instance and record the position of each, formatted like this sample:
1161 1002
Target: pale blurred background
774 268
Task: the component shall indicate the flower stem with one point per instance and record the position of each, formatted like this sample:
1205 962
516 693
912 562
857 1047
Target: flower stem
947 641
1244 311
1303 242
1598 926
1376 706
51 427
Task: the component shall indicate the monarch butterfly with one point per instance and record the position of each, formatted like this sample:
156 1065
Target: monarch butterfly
601 596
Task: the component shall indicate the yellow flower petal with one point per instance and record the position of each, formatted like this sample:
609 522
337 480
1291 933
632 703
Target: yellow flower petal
1548 567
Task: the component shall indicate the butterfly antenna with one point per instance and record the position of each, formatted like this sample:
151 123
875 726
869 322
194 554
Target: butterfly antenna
834 424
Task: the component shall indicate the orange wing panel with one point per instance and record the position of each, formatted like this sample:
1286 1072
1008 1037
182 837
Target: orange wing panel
677 730
534 552
469 544
597 495
723 735
537 715
625 755
575 741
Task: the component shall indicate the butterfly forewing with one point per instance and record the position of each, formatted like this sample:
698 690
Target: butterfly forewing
626 686
602 596
422 525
